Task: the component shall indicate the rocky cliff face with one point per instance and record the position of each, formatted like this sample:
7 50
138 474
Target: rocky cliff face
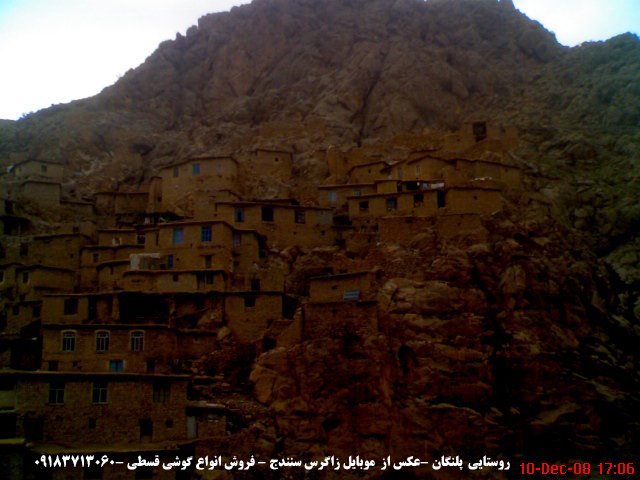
521 341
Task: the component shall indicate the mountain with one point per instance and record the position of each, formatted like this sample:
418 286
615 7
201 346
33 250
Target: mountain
522 343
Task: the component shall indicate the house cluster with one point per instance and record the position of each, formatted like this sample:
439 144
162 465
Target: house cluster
102 321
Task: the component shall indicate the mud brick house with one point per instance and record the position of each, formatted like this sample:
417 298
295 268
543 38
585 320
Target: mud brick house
174 280
368 172
93 255
118 236
122 208
506 175
478 198
335 196
194 177
351 286
58 412
41 192
421 167
38 169
420 203
249 314
476 131
204 205
110 274
58 250
33 281
204 244
127 332
283 225
339 302
273 162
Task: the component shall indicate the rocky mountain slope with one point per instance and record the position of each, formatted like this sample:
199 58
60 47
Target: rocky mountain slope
526 338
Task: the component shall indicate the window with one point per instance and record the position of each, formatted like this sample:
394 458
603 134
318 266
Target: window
176 278
417 167
208 261
102 341
351 295
43 168
56 393
25 277
249 302
146 430
195 169
300 216
205 233
161 392
100 392
1 276
440 198
176 172
400 173
418 200
36 311
178 236
151 366
70 306
237 239
255 284
357 192
392 204
68 341
137 341
116 366
141 238
267 214
96 257
364 206
333 196
170 261
209 278
238 214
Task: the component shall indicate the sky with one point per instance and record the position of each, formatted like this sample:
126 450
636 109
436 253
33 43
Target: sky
55 51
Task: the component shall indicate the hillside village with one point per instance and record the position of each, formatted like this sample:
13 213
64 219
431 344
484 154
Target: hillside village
108 318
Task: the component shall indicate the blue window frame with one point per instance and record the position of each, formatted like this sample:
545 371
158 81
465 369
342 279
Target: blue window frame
178 236
205 233
116 366
195 168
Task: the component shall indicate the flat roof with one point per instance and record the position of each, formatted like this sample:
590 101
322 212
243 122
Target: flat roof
345 185
394 194
59 235
109 263
113 247
45 267
342 275
175 271
275 205
89 376
386 164
106 326
198 159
